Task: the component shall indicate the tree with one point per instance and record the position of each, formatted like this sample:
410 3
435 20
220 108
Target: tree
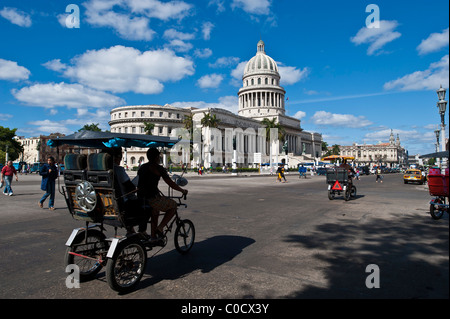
90 127
7 141
209 121
269 124
335 150
148 127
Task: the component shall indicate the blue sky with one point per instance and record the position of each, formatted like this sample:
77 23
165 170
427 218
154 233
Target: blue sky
344 77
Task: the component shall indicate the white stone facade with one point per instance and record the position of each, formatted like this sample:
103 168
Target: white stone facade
391 154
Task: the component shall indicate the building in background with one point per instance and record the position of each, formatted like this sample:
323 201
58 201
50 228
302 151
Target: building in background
390 154
260 97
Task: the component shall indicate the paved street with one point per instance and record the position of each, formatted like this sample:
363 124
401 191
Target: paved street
255 238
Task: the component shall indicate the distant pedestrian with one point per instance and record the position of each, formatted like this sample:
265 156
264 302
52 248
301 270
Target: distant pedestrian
7 175
379 176
49 174
280 174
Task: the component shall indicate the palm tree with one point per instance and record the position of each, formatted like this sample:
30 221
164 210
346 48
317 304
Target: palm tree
148 127
269 124
273 124
188 123
207 122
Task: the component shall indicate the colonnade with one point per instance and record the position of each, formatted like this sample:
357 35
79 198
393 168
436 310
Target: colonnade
262 99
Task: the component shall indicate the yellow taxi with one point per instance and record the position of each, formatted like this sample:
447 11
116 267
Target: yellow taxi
413 175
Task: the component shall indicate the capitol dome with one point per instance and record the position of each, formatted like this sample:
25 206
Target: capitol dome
261 62
261 95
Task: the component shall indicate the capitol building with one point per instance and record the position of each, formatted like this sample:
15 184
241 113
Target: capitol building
260 97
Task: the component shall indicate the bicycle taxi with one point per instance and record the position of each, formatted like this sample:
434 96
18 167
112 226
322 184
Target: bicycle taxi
339 180
438 187
91 197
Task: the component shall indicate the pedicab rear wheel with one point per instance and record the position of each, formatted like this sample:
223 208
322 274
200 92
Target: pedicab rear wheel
435 212
330 195
126 268
91 245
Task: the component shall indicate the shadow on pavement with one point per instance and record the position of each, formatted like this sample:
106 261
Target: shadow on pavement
205 256
411 253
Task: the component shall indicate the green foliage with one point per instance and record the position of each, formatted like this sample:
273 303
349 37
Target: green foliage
7 139
90 127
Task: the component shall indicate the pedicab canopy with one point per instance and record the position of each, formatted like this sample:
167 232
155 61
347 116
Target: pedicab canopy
443 154
107 139
337 157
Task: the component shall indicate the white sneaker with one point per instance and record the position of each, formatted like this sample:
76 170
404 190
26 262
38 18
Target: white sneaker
10 194
6 194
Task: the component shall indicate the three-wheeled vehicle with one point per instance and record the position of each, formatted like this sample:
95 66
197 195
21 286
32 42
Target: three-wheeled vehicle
338 179
90 193
438 187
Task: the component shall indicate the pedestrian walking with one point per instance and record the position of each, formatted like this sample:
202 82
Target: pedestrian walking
8 172
379 176
49 174
280 174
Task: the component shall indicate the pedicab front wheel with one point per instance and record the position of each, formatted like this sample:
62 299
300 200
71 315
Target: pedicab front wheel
184 236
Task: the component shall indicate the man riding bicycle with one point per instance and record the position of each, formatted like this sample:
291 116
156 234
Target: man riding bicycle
149 175
350 170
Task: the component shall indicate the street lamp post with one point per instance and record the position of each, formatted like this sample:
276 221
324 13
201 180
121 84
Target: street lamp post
437 133
442 106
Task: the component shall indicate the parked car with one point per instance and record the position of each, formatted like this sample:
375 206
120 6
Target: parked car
364 170
413 175
321 171
35 167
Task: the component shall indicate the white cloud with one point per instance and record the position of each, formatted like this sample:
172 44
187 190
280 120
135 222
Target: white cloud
11 71
179 45
260 7
290 75
55 65
5 117
210 81
224 62
174 34
52 95
16 16
158 9
122 69
229 103
415 141
132 17
430 79
434 42
344 120
203 53
377 37
206 30
48 127
299 115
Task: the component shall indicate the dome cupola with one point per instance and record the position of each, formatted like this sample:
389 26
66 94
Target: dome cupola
261 94
261 62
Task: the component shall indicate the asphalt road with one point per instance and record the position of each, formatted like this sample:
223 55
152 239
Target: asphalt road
255 238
